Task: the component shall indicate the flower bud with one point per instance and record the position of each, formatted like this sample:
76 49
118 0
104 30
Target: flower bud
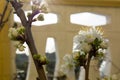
44 8
21 48
29 14
21 30
76 55
13 32
9 35
34 8
36 56
40 17
43 60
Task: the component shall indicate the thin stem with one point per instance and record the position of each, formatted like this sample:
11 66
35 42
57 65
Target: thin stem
87 67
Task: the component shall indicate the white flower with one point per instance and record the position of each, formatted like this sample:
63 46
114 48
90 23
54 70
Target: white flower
34 8
104 44
86 47
86 36
61 71
67 58
90 38
95 33
68 63
9 35
76 55
36 2
21 48
44 9
12 33
76 46
79 38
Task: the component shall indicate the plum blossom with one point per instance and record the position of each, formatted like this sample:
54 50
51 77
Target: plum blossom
86 47
12 33
89 40
104 43
17 35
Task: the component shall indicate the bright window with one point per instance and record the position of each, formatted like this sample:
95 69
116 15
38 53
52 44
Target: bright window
88 19
49 18
50 45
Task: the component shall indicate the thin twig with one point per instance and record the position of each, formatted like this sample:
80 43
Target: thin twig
2 15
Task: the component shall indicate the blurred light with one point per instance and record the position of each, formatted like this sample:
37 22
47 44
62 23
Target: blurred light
50 45
88 19
49 18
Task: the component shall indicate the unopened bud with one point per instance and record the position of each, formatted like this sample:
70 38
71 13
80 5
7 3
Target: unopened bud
40 17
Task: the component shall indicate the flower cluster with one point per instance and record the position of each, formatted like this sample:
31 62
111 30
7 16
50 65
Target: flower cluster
37 7
89 41
18 36
67 66
68 62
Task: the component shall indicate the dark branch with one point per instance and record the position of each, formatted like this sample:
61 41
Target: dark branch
28 36
2 21
17 6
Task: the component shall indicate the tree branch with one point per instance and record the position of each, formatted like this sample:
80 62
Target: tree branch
20 13
28 37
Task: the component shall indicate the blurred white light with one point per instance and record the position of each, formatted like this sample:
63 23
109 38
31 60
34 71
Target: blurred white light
50 45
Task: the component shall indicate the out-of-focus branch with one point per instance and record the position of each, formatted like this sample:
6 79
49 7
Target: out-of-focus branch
20 13
3 14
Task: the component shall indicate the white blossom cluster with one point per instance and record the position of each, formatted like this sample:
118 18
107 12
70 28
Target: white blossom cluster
17 35
89 39
38 7
67 65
